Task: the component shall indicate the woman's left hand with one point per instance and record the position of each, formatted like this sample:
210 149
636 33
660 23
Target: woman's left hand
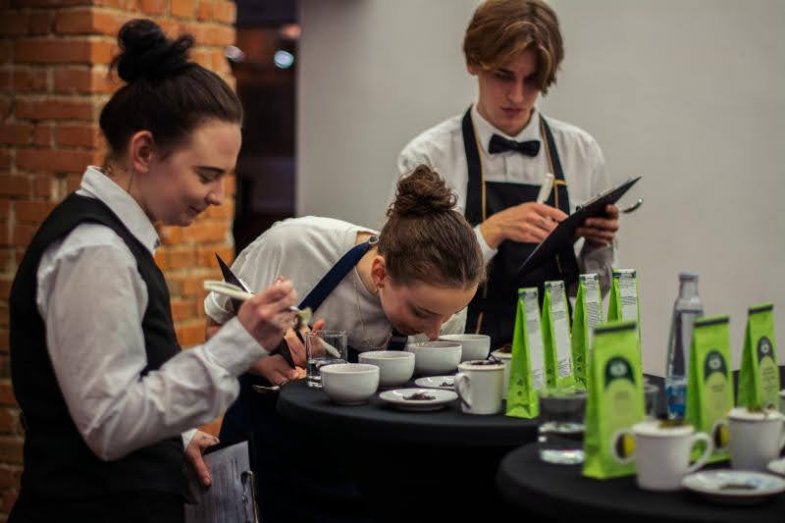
200 442
601 231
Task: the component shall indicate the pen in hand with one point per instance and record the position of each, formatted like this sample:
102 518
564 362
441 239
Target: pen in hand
545 188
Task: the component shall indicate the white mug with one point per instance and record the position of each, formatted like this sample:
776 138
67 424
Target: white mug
479 385
506 358
662 454
756 438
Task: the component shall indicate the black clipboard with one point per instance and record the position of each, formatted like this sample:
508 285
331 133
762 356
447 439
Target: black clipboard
564 234
232 496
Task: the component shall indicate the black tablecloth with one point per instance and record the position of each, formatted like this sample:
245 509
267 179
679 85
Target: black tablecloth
379 421
560 492
415 466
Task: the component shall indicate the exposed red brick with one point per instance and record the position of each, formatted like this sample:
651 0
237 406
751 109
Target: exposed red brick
205 11
41 22
6 389
89 21
152 7
77 135
43 186
13 23
182 8
182 309
29 79
43 135
14 186
16 134
23 233
53 51
225 12
33 211
54 160
54 109
188 334
5 209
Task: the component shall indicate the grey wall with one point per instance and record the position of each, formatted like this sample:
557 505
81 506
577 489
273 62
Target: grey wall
688 93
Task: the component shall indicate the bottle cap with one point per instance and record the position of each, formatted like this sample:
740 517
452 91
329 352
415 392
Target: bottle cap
688 275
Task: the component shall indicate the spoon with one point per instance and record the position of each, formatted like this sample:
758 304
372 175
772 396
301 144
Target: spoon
301 316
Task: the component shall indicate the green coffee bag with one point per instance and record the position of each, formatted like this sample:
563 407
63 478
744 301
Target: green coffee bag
759 378
623 302
556 336
615 401
709 384
527 367
587 315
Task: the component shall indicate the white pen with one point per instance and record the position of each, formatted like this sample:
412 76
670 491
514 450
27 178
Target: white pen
545 188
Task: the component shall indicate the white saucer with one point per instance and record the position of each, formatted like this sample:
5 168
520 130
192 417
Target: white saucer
436 382
777 466
400 398
734 487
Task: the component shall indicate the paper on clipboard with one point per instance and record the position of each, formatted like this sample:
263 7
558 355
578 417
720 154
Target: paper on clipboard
564 234
231 498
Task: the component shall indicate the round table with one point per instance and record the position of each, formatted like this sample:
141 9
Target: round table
561 493
378 421
443 462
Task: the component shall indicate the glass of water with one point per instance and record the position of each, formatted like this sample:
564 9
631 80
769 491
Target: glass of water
560 433
323 348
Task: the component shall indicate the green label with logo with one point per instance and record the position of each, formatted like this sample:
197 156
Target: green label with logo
759 377
615 401
709 384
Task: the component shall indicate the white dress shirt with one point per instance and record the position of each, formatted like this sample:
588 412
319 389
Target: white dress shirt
92 300
304 250
441 148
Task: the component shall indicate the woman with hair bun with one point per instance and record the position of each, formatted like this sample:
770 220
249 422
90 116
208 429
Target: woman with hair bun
415 277
106 395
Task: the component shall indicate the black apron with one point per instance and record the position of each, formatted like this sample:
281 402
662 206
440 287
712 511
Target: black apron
492 311
297 479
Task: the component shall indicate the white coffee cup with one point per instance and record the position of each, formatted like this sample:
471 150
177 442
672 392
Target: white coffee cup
473 346
506 358
756 438
662 454
479 385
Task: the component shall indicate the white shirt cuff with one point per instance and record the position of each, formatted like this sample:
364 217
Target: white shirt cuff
488 252
187 436
233 348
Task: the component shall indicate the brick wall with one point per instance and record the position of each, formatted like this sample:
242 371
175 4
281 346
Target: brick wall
53 82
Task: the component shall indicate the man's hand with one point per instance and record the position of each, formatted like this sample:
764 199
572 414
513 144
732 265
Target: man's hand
524 223
601 231
200 442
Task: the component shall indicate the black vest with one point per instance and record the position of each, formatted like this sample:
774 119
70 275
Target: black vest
57 462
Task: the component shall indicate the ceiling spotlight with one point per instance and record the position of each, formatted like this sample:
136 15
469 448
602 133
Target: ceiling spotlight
283 59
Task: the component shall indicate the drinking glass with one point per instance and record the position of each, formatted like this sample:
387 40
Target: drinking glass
323 348
560 434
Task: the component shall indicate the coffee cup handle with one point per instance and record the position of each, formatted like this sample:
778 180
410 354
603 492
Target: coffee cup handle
782 437
709 448
462 384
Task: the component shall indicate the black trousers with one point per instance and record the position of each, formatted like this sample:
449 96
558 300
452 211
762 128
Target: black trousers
130 507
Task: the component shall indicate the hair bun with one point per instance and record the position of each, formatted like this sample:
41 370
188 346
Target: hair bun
422 192
148 53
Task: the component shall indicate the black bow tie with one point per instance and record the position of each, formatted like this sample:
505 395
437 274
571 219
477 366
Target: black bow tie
500 144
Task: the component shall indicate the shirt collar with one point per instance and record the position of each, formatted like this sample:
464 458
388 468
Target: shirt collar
97 185
485 129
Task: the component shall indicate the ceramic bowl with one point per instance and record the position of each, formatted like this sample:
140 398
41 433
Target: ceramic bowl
474 346
435 357
350 383
395 367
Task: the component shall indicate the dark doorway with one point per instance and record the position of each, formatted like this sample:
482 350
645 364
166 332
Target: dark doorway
264 62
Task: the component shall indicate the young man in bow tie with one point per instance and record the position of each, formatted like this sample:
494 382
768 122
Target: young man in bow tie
496 156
